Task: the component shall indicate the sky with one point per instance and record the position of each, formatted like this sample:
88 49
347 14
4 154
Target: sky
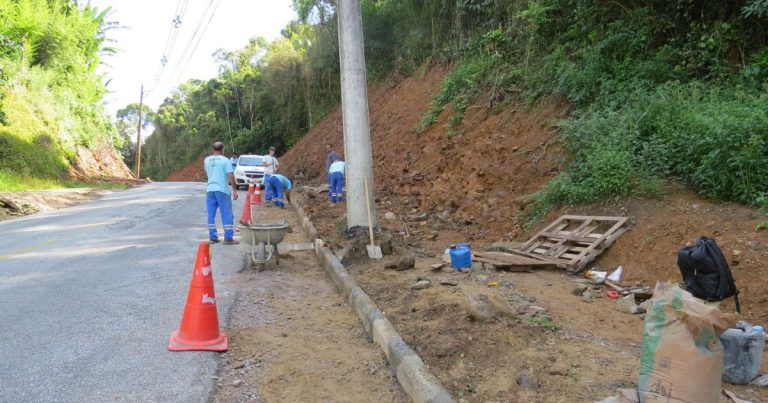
146 35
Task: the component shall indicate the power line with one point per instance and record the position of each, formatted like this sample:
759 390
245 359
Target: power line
170 42
185 57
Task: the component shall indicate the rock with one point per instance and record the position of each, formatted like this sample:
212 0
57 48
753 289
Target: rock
237 383
736 252
420 217
590 294
447 256
627 304
644 306
527 381
421 284
448 282
481 278
401 264
390 216
432 236
560 367
531 311
240 365
437 266
579 289
481 307
436 226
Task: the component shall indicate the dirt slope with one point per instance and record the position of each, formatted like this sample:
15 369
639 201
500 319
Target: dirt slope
476 184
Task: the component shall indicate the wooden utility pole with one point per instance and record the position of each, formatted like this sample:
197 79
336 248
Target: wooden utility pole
138 137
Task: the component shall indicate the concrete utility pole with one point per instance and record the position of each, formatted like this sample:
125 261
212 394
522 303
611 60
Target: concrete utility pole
354 107
138 137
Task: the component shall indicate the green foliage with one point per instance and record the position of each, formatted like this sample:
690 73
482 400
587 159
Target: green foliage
50 95
661 90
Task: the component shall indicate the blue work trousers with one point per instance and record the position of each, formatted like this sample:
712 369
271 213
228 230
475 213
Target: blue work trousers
337 187
222 202
275 191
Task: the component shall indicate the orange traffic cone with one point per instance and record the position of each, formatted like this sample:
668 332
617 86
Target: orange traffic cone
250 187
199 329
257 196
247 217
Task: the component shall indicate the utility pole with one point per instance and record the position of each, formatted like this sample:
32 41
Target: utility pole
354 107
138 137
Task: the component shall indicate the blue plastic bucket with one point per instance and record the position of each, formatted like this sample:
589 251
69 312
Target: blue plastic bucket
461 256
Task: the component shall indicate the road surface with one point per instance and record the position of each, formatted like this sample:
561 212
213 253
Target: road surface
90 294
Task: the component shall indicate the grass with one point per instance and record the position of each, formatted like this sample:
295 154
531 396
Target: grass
543 322
14 183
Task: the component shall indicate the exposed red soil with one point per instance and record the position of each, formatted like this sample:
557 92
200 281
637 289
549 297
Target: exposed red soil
472 187
192 172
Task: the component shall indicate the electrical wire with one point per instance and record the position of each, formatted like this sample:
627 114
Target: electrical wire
170 42
187 57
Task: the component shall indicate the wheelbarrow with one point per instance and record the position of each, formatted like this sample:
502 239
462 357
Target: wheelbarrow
261 241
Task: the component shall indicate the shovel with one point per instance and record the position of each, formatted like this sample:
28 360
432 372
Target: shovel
374 252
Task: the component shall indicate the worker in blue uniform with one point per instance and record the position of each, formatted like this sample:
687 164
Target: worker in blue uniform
336 174
278 185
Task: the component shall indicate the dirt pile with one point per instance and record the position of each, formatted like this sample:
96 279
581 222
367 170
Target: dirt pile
100 162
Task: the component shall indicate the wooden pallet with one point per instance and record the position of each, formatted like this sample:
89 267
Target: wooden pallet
572 241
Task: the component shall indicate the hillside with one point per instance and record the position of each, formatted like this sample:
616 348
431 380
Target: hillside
475 186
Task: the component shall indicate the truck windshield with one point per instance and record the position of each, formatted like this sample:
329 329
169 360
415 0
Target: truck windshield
250 161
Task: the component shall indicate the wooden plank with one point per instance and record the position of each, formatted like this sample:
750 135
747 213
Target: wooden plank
519 252
547 229
605 235
533 246
511 259
560 247
508 267
593 217
569 237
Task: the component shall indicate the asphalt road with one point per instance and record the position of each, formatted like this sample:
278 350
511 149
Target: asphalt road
90 294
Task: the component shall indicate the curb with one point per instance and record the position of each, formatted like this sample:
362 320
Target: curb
411 373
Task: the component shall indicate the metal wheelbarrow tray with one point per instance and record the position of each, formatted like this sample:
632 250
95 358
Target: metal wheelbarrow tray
261 241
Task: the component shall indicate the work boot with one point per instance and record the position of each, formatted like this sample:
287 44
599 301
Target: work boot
230 242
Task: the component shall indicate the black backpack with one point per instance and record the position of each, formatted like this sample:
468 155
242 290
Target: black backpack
705 272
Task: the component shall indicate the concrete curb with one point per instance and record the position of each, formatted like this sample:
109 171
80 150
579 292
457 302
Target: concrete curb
414 377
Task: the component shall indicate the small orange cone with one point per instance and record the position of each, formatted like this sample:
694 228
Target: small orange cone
257 195
247 217
199 329
250 187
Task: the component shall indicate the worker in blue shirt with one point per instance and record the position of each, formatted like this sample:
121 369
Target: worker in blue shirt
277 185
332 157
218 194
336 173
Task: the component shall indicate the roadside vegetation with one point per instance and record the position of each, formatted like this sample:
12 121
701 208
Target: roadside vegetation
50 93
659 91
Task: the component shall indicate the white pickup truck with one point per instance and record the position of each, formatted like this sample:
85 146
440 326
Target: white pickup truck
249 168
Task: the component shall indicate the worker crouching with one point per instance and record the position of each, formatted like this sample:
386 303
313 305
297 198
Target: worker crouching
278 186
